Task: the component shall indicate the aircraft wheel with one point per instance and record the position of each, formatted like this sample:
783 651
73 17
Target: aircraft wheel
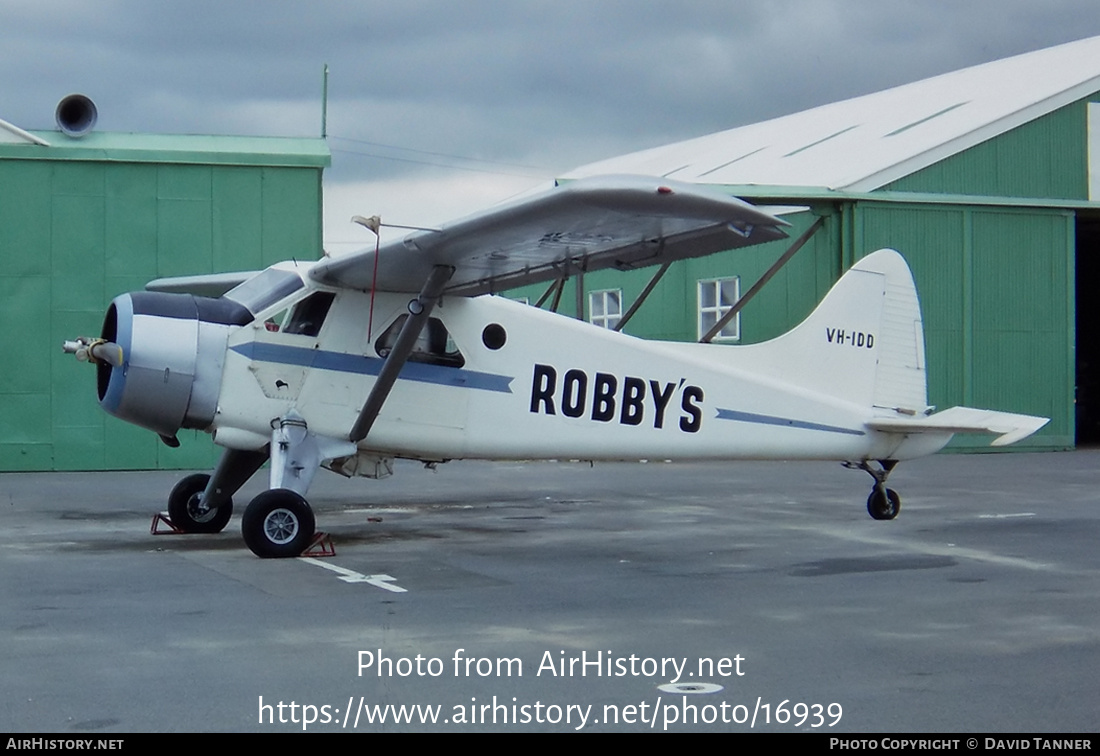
278 523
883 503
187 512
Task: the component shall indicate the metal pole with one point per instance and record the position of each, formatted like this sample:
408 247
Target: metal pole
324 104
756 287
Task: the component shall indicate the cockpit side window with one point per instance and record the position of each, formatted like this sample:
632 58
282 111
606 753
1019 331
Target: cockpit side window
434 345
309 314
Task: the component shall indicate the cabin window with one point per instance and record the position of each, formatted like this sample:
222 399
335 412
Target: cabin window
305 318
605 308
434 346
274 323
716 297
494 336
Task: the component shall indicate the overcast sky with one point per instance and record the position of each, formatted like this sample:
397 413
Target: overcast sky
437 109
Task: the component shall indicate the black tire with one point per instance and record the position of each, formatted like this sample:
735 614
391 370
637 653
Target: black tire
278 524
883 503
186 511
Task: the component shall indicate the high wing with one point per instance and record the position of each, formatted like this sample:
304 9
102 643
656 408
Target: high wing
624 222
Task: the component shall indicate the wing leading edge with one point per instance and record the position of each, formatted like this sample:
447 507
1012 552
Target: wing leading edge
622 222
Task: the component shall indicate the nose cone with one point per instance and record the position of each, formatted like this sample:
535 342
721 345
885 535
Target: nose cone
160 358
159 340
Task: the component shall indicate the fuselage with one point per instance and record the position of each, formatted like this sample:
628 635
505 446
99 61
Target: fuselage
491 378
496 379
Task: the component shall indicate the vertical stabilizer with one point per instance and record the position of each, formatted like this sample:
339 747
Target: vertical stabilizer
864 343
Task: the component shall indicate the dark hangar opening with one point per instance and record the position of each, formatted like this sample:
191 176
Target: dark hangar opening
1087 297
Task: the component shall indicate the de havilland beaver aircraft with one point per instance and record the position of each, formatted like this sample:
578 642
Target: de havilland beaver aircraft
400 351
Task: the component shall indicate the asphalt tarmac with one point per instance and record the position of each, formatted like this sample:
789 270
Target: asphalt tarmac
561 597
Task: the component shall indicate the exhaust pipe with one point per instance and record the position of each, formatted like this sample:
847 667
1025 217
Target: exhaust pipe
76 115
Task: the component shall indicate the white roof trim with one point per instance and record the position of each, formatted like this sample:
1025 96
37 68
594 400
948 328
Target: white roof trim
11 134
864 143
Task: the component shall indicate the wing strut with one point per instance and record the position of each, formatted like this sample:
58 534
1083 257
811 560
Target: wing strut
558 292
555 288
756 287
419 310
578 293
643 296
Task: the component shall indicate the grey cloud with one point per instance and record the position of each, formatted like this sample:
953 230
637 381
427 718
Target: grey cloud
550 83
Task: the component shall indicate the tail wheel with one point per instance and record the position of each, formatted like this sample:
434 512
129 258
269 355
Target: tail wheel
883 503
189 513
277 524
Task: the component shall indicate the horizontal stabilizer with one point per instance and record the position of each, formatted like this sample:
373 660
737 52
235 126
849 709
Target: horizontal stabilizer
208 285
1008 427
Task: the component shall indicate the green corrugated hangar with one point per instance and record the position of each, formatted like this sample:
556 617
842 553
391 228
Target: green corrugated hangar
982 178
85 217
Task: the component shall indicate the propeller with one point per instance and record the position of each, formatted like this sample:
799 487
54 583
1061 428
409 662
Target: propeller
95 351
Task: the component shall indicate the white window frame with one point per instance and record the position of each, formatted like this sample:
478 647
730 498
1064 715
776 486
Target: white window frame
600 313
708 315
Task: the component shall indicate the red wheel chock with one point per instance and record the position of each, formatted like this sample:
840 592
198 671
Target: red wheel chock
161 518
321 546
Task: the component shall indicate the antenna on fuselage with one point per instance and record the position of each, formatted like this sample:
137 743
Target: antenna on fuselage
374 223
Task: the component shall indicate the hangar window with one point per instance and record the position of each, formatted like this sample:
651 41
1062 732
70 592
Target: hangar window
605 307
716 297
434 346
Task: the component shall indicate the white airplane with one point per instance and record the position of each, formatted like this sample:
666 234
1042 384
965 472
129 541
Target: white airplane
399 351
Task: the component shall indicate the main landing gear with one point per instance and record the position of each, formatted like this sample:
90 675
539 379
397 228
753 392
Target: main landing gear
883 503
278 523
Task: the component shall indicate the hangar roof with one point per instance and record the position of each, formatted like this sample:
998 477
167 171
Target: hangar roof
864 143
164 148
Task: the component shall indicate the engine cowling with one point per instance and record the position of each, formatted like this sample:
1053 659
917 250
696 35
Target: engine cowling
173 350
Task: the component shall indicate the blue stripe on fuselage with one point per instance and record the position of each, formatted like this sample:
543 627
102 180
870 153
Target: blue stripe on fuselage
284 354
749 417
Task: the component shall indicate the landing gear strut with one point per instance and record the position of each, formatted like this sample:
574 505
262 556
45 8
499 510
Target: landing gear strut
202 503
883 503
